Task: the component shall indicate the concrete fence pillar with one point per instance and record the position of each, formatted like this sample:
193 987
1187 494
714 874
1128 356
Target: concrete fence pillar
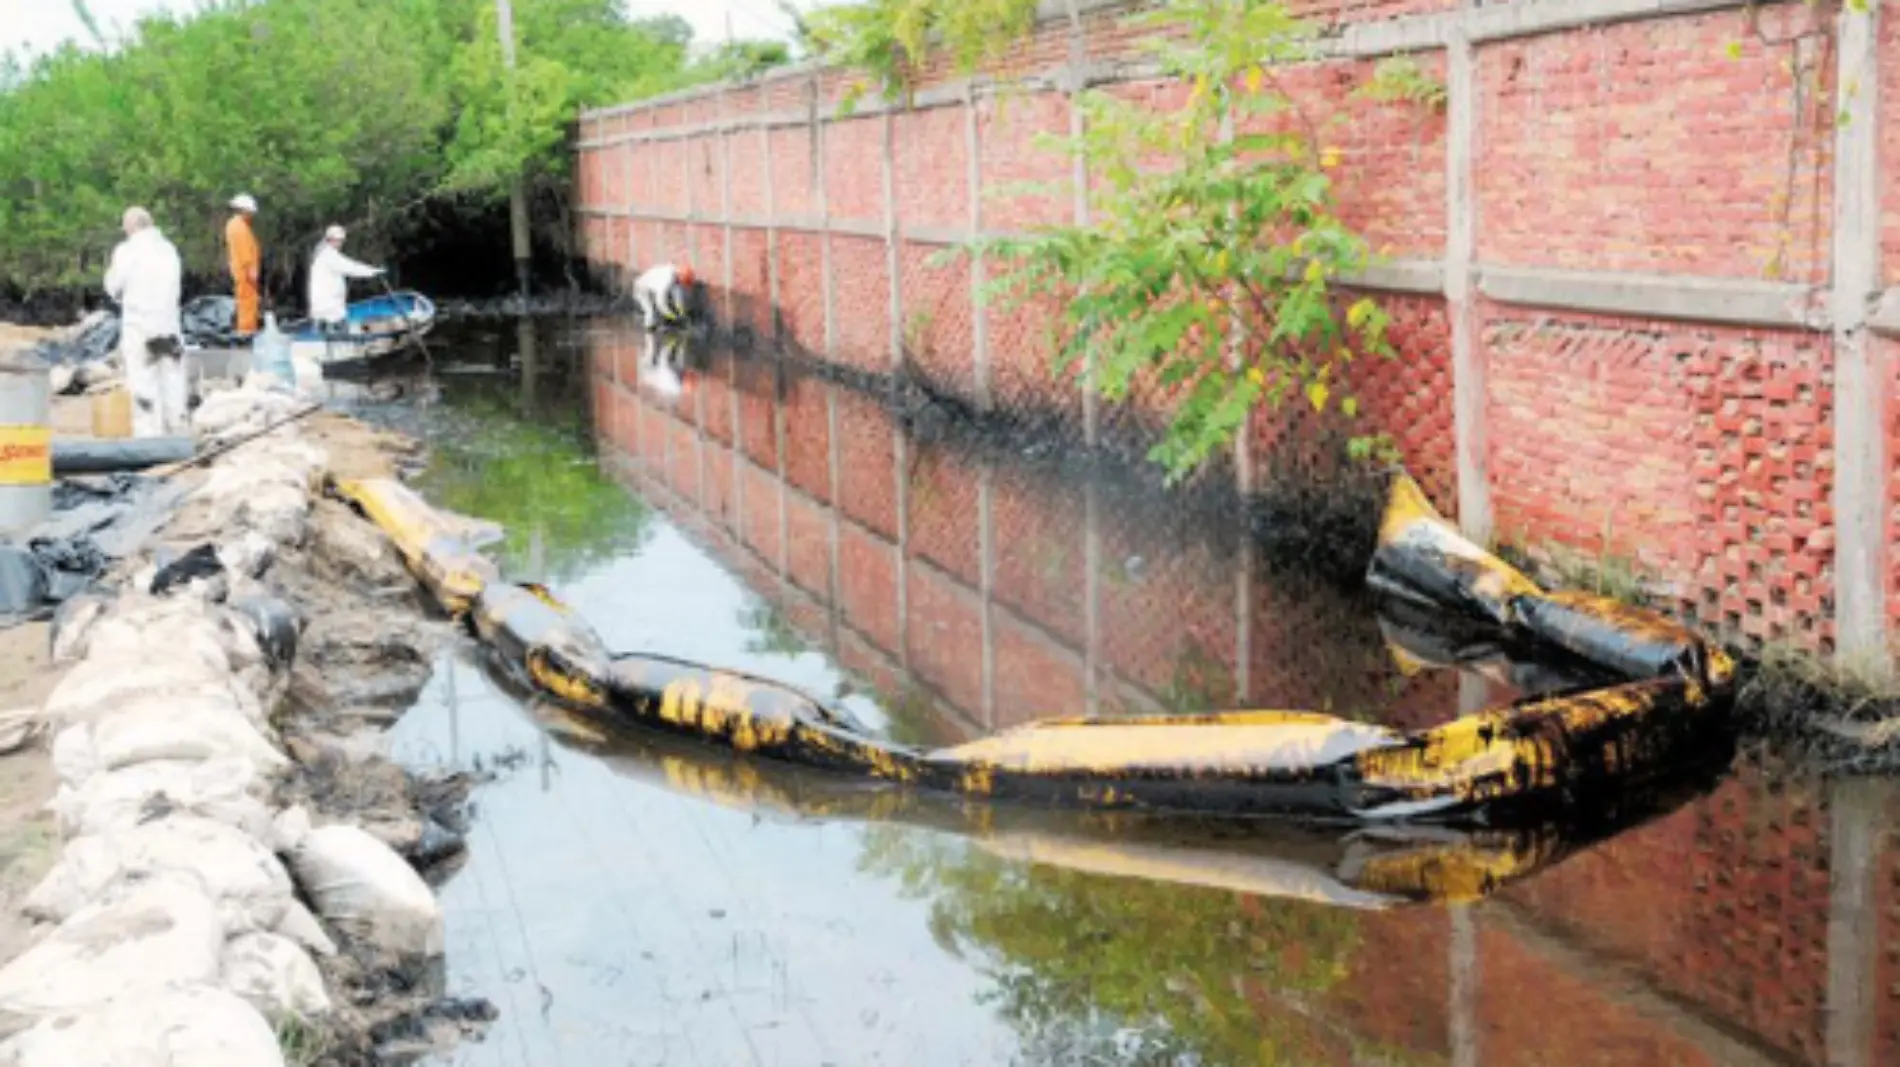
1861 379
979 332
1467 353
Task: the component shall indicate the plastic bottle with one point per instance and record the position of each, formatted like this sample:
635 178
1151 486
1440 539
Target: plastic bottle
270 354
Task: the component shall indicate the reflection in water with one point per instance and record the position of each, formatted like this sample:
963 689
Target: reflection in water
638 899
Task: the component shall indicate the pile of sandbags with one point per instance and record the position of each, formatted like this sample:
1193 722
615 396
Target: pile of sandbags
177 925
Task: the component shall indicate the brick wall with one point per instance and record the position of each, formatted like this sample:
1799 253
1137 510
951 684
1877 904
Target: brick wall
1642 310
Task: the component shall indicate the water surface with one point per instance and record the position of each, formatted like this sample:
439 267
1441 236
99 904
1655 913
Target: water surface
633 900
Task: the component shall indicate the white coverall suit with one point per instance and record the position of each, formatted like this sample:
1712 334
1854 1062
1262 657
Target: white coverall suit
145 277
659 294
330 272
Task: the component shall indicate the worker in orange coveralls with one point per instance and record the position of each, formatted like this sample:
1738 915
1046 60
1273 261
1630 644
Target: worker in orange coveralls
247 262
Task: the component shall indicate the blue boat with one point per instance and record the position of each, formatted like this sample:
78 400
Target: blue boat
376 327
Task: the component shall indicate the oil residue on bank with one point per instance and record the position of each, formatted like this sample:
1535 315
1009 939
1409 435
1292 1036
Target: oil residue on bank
628 900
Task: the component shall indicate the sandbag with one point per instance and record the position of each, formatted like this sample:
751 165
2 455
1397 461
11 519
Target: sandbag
275 975
247 882
72 623
366 889
152 633
162 933
301 927
198 1026
126 738
99 686
1422 558
230 791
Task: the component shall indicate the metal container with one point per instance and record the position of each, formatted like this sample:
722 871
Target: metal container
26 441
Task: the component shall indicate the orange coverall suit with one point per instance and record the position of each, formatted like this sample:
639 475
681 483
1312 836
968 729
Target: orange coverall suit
246 264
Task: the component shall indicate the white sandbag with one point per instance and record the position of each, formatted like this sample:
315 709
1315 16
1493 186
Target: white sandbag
181 631
201 1026
229 790
245 880
275 975
303 928
248 554
231 412
366 889
187 732
289 828
75 757
99 685
144 937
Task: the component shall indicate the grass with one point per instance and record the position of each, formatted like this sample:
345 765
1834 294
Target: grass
303 1044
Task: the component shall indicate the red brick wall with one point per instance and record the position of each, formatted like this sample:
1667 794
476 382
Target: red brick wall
1643 147
1638 148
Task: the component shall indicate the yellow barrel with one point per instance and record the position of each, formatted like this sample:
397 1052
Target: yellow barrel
26 441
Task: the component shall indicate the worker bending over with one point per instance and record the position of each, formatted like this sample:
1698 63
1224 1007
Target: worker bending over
145 277
330 272
247 262
661 293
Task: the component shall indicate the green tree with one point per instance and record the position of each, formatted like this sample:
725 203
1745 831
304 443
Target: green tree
379 114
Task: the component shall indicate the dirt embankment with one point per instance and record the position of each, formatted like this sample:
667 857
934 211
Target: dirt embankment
356 645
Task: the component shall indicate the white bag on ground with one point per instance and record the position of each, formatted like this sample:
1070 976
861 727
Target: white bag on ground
164 631
98 686
159 934
247 882
127 738
275 975
304 928
364 887
195 1027
229 790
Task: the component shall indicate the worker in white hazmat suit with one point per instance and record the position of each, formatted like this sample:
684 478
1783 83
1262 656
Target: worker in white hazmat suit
330 272
660 367
145 277
661 294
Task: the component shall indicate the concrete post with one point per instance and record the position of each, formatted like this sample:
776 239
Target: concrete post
1467 356
818 121
1856 833
893 260
979 334
900 444
1091 594
771 228
1860 394
629 156
1463 1023
1079 175
986 556
725 207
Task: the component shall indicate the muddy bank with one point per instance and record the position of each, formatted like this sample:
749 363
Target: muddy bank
220 814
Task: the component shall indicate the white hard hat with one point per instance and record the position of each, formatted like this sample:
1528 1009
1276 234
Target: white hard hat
334 233
243 202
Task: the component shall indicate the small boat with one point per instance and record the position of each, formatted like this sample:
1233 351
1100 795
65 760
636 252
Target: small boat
376 327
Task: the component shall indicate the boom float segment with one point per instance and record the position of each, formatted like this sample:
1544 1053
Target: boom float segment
1524 759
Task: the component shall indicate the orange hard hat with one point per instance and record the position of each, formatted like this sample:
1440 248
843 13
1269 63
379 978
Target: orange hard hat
686 276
